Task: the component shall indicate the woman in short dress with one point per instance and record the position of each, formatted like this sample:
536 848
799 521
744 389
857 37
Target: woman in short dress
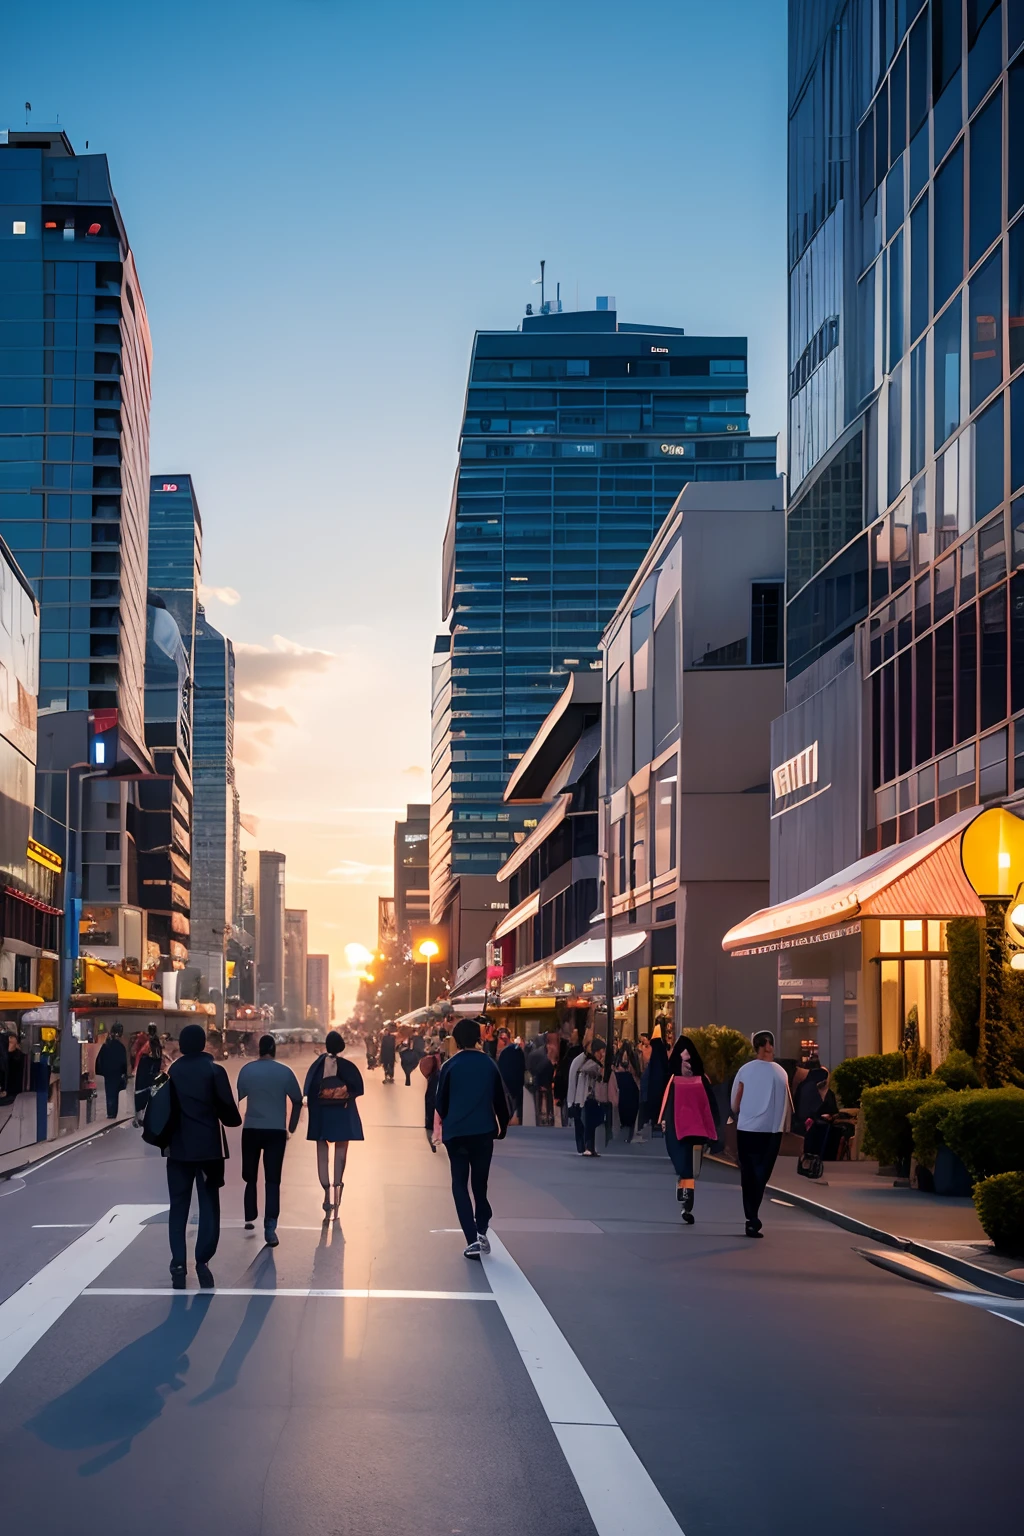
331 1089
690 1114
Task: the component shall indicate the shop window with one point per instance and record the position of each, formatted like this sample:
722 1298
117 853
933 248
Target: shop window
890 936
913 935
890 1004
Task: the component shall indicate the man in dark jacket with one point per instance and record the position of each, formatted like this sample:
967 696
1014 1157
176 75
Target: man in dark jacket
112 1066
203 1105
473 1109
512 1066
387 1054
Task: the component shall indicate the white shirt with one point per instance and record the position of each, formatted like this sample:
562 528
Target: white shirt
766 1104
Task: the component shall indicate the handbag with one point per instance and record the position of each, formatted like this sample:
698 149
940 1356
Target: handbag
158 1120
332 1089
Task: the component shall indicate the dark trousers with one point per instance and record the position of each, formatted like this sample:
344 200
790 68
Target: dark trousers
112 1085
576 1113
271 1144
593 1116
470 1157
208 1179
757 1151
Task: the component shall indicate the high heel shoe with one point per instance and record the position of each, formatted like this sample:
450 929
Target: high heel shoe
328 1204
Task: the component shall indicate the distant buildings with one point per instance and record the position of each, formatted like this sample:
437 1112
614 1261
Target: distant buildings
318 989
296 950
412 871
214 854
579 433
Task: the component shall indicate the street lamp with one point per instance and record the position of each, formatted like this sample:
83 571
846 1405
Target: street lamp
427 950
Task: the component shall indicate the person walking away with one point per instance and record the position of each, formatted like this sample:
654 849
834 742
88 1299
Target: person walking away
112 1066
147 1069
512 1066
691 1118
430 1066
810 1084
266 1085
197 1151
762 1105
587 1097
657 1080
409 1060
331 1088
387 1055
626 1077
473 1111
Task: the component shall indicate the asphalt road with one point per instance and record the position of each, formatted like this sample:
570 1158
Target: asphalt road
608 1370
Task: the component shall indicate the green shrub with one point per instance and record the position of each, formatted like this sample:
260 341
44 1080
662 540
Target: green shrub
999 1202
851 1077
887 1110
926 1125
958 1071
963 941
985 1128
723 1051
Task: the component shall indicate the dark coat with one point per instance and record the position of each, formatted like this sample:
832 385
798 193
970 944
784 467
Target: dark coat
512 1066
112 1062
204 1104
327 1121
387 1050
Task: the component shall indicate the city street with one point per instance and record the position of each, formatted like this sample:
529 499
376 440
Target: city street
606 1369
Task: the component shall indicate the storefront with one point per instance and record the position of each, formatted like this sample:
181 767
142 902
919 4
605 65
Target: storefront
864 957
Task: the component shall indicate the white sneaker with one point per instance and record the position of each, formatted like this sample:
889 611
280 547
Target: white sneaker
483 1242
473 1251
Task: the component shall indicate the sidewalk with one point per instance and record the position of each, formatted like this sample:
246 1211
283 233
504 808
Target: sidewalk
37 1151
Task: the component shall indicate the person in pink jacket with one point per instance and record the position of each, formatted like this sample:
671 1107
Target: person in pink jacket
690 1116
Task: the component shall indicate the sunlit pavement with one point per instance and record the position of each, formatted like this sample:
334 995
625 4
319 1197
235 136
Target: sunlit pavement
613 1371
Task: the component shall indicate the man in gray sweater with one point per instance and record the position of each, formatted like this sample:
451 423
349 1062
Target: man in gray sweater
266 1086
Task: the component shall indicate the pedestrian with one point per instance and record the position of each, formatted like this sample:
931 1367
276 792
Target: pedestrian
112 1066
409 1059
147 1069
512 1066
473 1110
762 1105
331 1088
626 1077
387 1054
587 1097
657 1080
430 1066
266 1085
15 1067
196 1153
690 1114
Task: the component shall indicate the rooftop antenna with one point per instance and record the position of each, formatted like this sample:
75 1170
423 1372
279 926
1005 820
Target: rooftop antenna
541 281
28 109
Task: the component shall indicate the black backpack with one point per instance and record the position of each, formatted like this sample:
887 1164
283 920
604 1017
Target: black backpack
158 1120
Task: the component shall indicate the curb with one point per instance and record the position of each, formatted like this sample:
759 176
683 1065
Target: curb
57 1149
963 1269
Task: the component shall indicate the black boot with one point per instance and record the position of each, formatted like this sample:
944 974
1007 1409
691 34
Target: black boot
688 1206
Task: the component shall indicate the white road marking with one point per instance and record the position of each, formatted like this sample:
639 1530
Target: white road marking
314 1292
1007 1318
615 1484
27 1315
58 1226
787 1203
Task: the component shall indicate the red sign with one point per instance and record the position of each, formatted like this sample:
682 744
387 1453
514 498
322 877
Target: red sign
169 486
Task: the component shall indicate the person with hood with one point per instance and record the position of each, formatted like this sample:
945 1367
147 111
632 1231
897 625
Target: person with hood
112 1066
657 1073
625 1085
332 1086
147 1069
473 1111
197 1150
387 1054
690 1114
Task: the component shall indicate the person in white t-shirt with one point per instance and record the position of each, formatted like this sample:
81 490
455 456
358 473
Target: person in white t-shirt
762 1105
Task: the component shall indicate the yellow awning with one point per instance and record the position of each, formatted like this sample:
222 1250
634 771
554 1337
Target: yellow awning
101 981
20 1000
941 873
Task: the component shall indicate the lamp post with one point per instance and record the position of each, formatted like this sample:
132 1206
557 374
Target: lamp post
428 949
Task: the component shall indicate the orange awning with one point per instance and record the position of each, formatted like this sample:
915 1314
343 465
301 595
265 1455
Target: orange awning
101 981
923 877
19 1000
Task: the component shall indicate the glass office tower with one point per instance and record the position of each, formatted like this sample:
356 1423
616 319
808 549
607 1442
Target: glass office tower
905 588
214 856
579 432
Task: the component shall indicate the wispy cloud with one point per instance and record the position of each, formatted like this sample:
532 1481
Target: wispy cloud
260 669
254 712
226 595
348 872
250 823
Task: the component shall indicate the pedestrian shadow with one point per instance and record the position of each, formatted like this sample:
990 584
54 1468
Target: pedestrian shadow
125 1394
264 1276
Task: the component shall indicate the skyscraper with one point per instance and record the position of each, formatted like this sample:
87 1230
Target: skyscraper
74 444
318 988
271 920
905 601
579 433
296 949
213 811
412 870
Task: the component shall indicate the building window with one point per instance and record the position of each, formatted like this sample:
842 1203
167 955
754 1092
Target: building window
986 177
986 331
766 623
665 818
988 460
947 373
639 874
948 255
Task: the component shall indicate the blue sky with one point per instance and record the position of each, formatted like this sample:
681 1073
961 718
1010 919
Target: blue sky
325 199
